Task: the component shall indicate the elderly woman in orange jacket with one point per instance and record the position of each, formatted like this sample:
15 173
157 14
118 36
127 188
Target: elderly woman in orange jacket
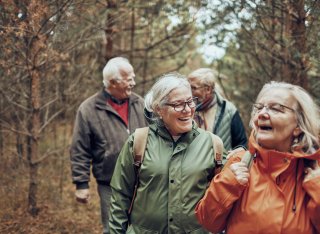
280 192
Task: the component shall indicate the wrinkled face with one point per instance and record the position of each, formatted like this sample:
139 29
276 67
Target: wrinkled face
122 88
275 120
199 90
177 113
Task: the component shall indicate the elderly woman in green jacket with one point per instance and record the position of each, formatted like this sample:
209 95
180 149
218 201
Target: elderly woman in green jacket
178 164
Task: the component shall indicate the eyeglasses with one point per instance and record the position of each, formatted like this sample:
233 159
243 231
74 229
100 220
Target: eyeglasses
182 105
274 108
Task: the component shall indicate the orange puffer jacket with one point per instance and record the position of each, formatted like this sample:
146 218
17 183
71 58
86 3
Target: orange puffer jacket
276 200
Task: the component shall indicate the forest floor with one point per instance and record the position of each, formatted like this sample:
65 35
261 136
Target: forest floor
66 217
59 213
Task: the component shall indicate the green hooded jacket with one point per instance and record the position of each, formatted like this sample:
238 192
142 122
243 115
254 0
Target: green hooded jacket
173 178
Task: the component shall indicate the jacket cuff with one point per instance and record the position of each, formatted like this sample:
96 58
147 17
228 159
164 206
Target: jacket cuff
82 185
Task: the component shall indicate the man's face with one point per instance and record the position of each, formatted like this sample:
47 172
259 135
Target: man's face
199 90
122 88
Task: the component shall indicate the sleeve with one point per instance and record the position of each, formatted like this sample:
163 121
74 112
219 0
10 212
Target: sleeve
238 132
312 187
122 186
224 190
80 153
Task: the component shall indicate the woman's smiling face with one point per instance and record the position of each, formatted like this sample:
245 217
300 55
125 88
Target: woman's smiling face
178 122
275 120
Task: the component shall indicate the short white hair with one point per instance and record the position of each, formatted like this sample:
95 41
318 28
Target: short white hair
158 94
307 113
206 76
111 70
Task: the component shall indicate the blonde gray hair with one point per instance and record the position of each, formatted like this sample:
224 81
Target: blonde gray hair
158 94
307 115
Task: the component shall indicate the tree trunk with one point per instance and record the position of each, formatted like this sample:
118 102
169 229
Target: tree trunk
295 51
299 37
132 33
34 127
110 24
285 41
1 133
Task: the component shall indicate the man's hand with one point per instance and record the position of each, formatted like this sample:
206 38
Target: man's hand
82 195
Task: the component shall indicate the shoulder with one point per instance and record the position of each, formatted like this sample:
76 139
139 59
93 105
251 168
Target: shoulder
229 107
89 102
134 97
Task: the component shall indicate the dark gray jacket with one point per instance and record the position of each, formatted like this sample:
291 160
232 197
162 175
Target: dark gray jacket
228 124
99 134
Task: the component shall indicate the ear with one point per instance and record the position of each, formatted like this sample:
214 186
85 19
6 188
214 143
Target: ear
112 82
297 131
159 111
208 89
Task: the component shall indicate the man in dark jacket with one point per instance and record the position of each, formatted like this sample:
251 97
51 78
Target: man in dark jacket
103 124
213 112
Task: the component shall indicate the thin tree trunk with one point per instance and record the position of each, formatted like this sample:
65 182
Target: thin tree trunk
299 43
33 142
1 134
132 32
110 23
285 38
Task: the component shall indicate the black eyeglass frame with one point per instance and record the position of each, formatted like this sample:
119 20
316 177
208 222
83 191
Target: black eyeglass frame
182 105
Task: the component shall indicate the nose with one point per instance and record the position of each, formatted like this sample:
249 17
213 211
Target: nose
264 113
132 82
186 108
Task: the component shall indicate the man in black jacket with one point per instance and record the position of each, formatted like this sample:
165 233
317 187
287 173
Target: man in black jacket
103 123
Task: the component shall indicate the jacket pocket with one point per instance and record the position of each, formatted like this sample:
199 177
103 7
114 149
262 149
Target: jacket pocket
134 229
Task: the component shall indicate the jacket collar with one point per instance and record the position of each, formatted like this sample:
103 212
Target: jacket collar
187 137
101 100
275 161
219 98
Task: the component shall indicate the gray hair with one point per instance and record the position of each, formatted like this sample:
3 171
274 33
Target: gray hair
111 71
205 75
307 114
158 94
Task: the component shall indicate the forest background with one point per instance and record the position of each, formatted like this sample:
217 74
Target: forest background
52 54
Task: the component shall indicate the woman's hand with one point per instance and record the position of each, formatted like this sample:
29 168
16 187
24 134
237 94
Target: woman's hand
241 172
233 152
312 171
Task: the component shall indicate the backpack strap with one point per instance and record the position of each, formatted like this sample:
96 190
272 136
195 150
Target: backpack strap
218 152
139 147
247 158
